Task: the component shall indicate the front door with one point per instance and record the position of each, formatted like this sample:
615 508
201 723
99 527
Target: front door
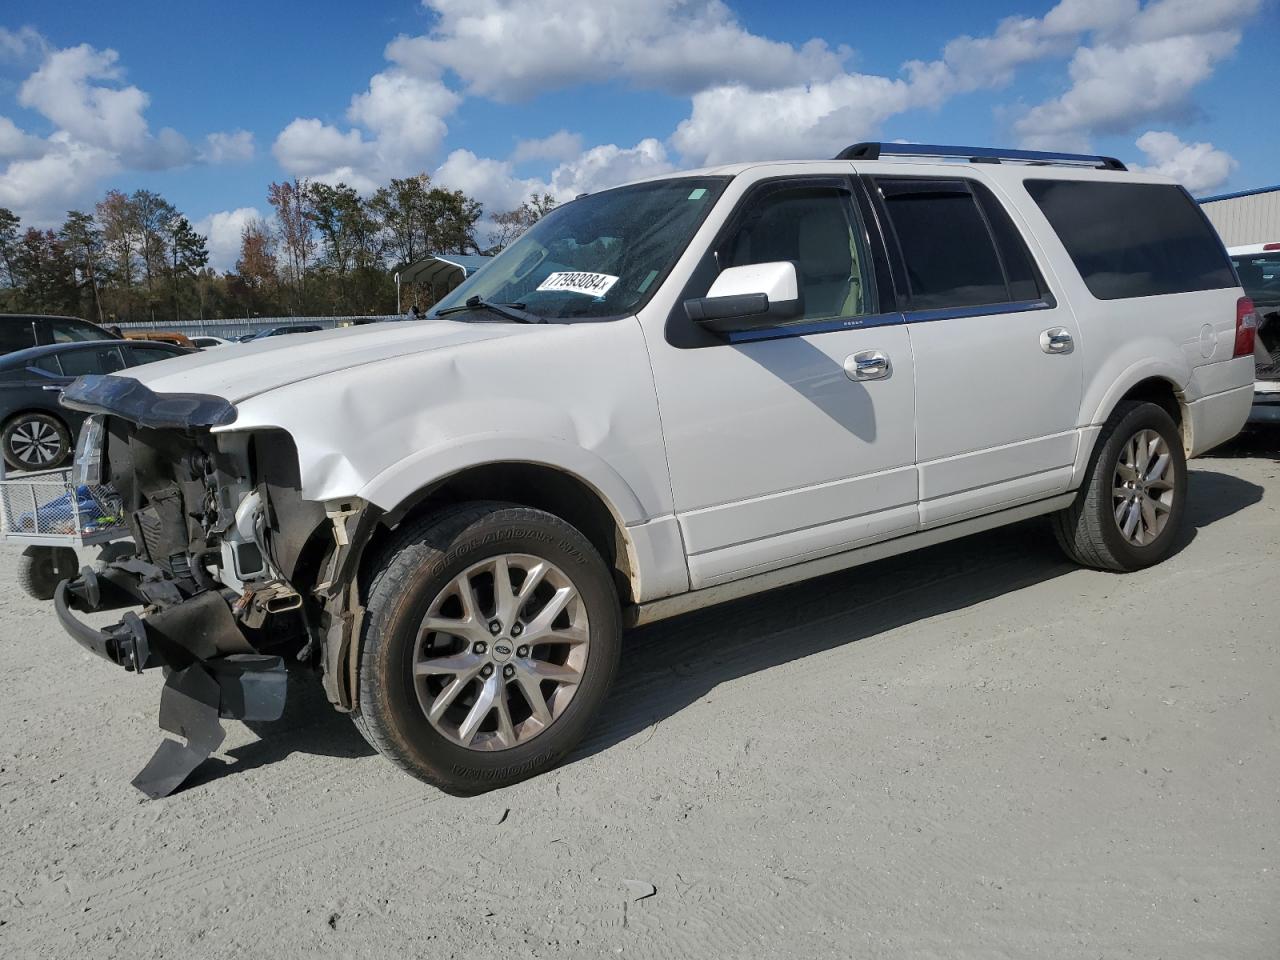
781 447
998 366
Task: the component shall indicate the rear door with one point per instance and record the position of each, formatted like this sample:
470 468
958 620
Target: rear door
998 372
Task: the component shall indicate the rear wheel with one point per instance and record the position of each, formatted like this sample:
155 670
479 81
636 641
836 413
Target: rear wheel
1131 507
36 441
491 636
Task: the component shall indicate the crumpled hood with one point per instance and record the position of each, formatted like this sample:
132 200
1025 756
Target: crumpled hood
241 370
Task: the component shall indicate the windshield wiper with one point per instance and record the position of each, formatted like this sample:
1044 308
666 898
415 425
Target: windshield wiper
512 311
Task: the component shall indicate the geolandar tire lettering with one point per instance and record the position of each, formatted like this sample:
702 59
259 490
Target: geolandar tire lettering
491 636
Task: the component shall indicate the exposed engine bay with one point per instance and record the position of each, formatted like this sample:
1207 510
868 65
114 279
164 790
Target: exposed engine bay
236 573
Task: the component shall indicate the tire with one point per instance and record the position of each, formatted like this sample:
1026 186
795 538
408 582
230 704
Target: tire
36 441
426 563
1090 530
41 569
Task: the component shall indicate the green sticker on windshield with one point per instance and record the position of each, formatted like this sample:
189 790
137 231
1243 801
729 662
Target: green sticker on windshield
648 280
698 194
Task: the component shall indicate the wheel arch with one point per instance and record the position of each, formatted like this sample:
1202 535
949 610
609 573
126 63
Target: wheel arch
534 484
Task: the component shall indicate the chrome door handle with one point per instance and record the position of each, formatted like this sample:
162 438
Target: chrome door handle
50 387
867 365
1056 340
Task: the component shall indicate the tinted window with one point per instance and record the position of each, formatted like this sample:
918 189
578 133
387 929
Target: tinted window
48 365
817 229
1134 239
1260 276
948 250
152 354
76 363
1025 282
16 335
72 331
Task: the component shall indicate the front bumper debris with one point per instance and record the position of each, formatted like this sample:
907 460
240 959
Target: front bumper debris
212 672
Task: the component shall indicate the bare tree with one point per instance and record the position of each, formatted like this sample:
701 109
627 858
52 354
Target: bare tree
292 203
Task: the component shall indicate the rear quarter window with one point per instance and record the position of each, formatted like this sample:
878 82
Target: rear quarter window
1134 239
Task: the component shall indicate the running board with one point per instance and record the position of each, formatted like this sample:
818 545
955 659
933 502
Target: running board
654 610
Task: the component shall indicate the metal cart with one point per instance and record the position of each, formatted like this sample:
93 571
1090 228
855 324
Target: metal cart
53 515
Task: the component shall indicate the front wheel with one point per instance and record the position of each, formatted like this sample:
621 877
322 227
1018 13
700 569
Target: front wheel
491 636
1128 513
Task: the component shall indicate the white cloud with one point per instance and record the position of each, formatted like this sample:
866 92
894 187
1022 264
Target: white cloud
607 166
15 144
21 45
99 129
1197 166
492 182
1143 69
561 145
404 116
234 147
515 49
812 121
308 147
223 230
41 190
495 185
99 115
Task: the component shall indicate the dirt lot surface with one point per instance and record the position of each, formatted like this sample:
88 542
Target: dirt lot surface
975 751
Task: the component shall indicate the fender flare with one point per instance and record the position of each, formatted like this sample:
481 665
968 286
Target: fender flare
1149 368
399 483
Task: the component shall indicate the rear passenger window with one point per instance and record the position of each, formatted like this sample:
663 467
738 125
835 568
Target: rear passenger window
1134 239
76 363
16 334
958 244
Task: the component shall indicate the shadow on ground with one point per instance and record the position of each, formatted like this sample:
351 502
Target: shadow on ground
671 664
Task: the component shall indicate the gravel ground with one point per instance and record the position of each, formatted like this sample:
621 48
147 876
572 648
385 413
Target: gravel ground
974 751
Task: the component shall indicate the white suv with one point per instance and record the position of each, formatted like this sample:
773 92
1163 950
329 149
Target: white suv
662 396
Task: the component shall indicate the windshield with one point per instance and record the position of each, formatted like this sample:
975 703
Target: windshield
600 256
1260 276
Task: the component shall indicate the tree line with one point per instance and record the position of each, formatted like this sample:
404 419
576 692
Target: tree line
327 250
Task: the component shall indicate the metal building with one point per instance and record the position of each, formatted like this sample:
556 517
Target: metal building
1250 216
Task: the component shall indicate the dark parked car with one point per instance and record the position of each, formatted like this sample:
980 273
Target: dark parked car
21 331
281 331
38 433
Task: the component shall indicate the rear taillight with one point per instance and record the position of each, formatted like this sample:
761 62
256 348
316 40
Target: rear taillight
1246 327
1270 246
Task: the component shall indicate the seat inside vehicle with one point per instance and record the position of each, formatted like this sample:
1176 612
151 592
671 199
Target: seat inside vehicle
813 232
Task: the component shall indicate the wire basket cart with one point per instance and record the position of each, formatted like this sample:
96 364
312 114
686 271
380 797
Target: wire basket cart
52 515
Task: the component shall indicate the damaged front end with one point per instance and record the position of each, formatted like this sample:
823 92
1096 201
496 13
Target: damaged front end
234 570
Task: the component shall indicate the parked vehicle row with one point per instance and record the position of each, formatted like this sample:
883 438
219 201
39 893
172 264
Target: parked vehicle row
36 431
661 396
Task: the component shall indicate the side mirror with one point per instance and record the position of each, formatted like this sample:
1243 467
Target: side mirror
750 297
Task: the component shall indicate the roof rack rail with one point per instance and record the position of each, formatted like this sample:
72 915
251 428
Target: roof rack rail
874 151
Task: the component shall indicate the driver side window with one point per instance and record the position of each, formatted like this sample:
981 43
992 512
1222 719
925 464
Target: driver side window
817 228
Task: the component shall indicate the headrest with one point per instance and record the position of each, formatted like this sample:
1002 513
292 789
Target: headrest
824 244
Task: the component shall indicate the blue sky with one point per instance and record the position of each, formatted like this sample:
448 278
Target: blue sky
207 103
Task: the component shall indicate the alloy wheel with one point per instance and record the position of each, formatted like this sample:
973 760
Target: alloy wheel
35 443
501 652
1142 493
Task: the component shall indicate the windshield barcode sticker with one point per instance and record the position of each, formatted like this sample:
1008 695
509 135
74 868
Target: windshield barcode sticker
592 284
